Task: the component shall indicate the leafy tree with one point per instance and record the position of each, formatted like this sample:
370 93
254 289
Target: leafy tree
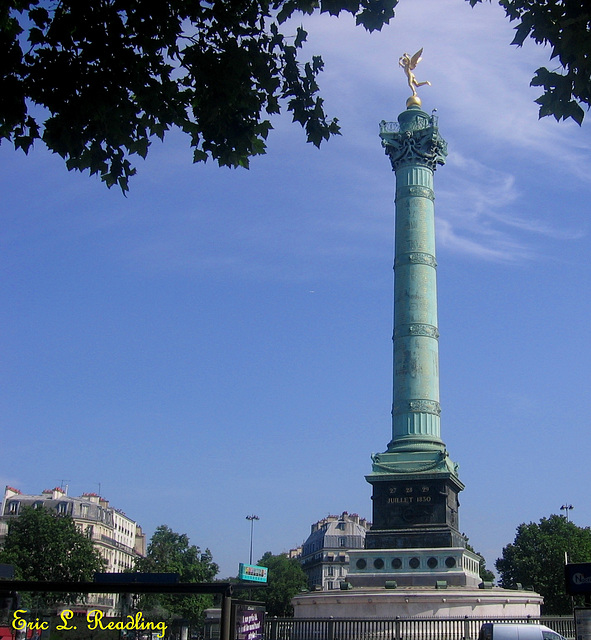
536 558
486 575
43 545
96 80
564 25
286 578
171 552
111 74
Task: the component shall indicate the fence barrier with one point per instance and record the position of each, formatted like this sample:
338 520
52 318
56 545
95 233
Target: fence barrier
399 628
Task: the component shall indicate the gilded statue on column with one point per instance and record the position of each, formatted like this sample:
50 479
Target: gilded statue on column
409 63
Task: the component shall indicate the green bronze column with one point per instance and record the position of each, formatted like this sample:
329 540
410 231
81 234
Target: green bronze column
415 483
415 149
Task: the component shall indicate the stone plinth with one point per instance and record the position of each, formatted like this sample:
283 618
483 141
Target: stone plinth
417 510
456 566
418 602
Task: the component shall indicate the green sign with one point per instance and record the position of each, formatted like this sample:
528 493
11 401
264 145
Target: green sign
252 572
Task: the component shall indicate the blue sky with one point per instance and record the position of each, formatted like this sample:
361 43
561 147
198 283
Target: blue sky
218 343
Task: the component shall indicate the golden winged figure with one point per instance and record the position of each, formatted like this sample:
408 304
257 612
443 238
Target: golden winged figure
409 63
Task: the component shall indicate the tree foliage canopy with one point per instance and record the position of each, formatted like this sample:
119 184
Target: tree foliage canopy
43 545
565 26
286 578
96 80
111 74
171 552
536 559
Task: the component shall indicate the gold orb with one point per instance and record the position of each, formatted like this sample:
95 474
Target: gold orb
413 101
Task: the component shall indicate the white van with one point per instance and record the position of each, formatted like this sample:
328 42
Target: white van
510 631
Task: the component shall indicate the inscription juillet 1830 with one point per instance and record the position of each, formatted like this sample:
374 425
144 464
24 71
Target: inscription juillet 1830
409 495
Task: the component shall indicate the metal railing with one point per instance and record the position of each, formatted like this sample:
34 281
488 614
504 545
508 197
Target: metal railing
419 124
398 628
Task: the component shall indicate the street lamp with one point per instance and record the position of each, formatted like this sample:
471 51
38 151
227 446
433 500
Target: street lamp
252 519
566 508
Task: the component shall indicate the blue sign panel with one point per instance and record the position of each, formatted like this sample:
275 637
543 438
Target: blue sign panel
252 572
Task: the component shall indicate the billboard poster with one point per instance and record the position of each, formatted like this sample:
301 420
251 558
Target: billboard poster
252 572
249 621
577 578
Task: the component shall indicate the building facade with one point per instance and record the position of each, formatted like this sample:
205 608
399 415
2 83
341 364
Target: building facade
324 555
118 538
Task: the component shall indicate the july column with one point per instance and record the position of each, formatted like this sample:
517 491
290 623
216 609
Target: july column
415 148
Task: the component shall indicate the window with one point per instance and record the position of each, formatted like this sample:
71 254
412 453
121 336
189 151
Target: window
62 508
12 507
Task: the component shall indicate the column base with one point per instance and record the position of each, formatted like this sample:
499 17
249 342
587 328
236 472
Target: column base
412 456
413 567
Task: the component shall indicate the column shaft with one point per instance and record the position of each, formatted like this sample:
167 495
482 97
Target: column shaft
415 410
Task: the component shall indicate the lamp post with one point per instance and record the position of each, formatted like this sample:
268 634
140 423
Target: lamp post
252 519
566 508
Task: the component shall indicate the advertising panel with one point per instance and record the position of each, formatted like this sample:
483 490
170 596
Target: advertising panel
577 578
249 621
252 572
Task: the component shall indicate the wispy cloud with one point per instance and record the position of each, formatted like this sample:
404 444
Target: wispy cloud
501 249
479 214
480 82
487 113
337 203
492 193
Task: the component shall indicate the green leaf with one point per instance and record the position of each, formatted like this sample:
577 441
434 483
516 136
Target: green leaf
521 33
199 156
300 38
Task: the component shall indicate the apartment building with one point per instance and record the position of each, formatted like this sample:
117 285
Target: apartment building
118 538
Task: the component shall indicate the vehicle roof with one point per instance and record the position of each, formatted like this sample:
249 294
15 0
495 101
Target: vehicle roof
523 631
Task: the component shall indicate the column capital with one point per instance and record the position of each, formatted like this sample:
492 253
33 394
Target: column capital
413 140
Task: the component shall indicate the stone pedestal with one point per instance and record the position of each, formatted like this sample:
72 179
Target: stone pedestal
446 566
414 511
416 602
